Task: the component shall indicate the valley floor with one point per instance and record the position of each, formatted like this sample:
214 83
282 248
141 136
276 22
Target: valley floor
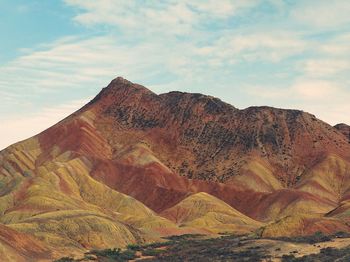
230 248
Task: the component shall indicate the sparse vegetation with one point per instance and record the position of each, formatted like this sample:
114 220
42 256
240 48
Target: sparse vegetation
318 237
65 259
152 252
325 255
224 248
134 247
114 254
158 244
197 248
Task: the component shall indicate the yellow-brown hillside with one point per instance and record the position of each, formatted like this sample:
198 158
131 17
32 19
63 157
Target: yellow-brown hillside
202 210
303 224
60 204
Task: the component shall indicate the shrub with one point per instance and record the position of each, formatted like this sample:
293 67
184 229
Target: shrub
114 253
311 239
288 258
342 234
134 247
128 255
158 244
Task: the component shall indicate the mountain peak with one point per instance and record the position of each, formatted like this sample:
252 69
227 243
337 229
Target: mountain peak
120 81
120 88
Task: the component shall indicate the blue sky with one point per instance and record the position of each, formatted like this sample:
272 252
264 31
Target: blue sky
56 55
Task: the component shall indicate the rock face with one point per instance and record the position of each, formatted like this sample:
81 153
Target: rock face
218 140
133 166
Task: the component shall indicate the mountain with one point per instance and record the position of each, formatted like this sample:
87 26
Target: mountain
132 166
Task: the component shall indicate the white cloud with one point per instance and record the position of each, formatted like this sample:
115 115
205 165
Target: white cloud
74 64
164 17
223 8
271 46
302 90
338 46
322 13
329 100
18 127
325 67
315 90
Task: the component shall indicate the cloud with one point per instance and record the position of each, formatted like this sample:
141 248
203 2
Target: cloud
325 67
74 63
19 127
301 89
162 17
70 64
151 50
271 46
322 13
337 46
320 97
316 90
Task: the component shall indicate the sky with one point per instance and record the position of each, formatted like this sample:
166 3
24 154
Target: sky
56 55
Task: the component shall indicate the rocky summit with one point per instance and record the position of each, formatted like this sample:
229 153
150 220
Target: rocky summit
132 167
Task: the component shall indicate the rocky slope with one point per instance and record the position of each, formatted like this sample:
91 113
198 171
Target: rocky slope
132 166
